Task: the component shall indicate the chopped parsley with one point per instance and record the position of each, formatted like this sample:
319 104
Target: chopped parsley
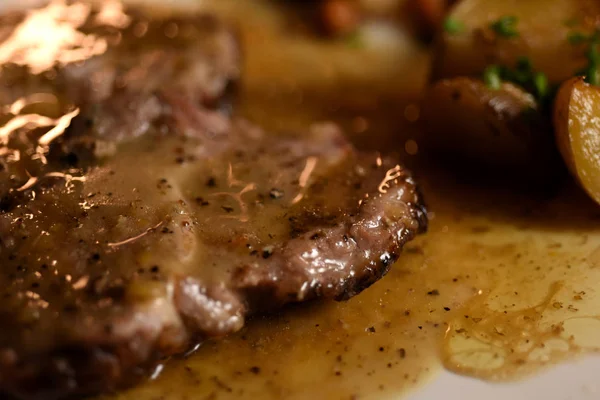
540 82
506 27
453 26
578 38
523 75
592 70
491 77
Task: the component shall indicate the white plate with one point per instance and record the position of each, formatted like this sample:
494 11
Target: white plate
572 381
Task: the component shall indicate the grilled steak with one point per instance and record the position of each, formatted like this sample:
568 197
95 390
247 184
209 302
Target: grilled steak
137 220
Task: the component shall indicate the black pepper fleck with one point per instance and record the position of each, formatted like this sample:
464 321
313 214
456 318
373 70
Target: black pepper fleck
255 370
211 182
266 254
202 202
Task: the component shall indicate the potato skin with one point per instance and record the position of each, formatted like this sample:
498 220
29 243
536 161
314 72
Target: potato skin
543 28
501 129
577 122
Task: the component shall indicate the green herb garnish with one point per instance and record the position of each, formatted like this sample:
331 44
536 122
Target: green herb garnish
540 82
592 70
592 76
578 38
506 27
453 26
491 77
523 75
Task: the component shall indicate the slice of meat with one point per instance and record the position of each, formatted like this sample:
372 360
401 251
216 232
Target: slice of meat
137 221
178 236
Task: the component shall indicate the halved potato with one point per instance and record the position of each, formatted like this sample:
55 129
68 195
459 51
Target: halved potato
577 124
543 29
500 128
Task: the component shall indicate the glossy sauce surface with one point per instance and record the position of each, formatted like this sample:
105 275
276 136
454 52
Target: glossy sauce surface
502 285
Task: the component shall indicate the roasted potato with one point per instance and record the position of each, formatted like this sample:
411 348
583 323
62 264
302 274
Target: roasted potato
541 30
499 128
577 124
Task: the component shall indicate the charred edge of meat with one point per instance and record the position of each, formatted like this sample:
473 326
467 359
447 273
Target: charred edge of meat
263 291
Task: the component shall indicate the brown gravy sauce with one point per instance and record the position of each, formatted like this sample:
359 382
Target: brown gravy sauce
502 285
